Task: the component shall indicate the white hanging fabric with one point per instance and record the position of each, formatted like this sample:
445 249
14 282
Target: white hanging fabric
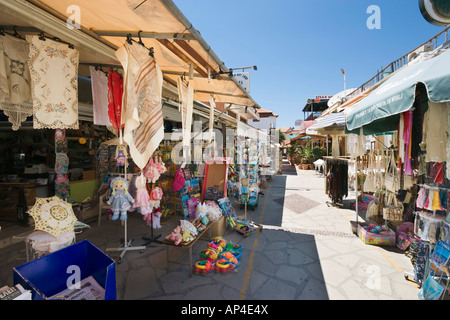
212 104
15 90
141 105
54 84
186 98
99 81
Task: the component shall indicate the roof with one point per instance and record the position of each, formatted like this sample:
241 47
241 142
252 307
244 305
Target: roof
266 113
316 106
178 47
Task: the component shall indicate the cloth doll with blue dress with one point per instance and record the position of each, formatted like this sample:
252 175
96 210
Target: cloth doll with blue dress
120 198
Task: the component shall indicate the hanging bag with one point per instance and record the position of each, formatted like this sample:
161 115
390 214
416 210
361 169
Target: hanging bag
369 183
373 208
391 179
178 182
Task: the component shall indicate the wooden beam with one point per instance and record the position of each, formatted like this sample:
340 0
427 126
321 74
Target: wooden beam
194 54
169 45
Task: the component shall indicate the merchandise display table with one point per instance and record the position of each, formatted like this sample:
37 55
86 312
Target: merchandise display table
169 243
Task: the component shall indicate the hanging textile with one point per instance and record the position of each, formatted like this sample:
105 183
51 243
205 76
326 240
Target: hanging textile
435 132
15 91
337 179
186 98
407 135
142 109
100 101
212 104
54 84
115 96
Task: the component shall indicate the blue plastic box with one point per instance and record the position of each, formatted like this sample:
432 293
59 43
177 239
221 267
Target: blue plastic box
48 275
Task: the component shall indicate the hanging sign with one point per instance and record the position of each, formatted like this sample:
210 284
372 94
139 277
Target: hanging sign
244 79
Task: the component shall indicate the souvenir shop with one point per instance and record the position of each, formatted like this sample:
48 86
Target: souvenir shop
75 137
401 169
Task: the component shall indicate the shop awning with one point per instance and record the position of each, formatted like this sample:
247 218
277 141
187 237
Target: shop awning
104 25
397 93
332 119
305 125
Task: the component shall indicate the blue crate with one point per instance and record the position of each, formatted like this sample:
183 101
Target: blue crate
48 275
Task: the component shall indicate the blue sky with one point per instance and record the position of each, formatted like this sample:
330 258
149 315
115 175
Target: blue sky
300 46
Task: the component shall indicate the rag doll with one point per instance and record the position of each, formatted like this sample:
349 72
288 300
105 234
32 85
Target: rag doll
120 198
142 198
121 155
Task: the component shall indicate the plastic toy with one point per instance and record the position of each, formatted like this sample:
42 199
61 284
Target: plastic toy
187 237
121 155
223 266
202 267
120 198
231 258
209 254
233 247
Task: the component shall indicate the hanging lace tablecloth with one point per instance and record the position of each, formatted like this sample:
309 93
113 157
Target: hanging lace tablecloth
54 84
15 92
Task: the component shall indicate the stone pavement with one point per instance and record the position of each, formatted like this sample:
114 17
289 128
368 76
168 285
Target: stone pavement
305 251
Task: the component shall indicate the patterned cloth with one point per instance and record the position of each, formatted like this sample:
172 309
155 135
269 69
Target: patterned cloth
15 91
141 106
54 84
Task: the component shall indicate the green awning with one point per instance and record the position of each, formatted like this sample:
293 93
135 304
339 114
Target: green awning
379 111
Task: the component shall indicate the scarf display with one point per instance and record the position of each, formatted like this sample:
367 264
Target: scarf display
54 84
15 80
141 107
337 179
186 97
100 101
115 95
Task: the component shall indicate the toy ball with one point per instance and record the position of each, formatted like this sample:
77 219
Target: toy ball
374 231
385 227
366 227
371 226
378 228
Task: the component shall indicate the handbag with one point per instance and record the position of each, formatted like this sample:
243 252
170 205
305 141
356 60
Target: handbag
393 209
370 183
178 182
374 208
391 179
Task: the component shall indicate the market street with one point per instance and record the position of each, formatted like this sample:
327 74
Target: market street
306 250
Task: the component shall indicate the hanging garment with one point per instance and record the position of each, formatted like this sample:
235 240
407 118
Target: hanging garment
100 101
115 96
337 179
435 132
54 84
186 97
142 109
408 119
15 80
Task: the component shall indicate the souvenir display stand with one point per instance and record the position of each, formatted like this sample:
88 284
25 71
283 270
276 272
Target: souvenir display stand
405 191
127 244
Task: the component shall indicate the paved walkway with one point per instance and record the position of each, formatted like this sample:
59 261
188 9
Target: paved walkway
306 250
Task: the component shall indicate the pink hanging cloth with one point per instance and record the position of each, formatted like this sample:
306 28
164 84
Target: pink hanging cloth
407 135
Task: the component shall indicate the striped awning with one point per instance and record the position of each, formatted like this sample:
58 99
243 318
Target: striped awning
332 119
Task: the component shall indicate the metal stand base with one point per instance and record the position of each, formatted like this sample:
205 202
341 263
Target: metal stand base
126 246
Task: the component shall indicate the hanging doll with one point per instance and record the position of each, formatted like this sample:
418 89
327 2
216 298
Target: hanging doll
157 213
121 155
120 198
142 198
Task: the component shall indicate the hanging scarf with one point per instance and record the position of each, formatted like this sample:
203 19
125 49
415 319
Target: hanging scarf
142 108
212 104
186 97
115 94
